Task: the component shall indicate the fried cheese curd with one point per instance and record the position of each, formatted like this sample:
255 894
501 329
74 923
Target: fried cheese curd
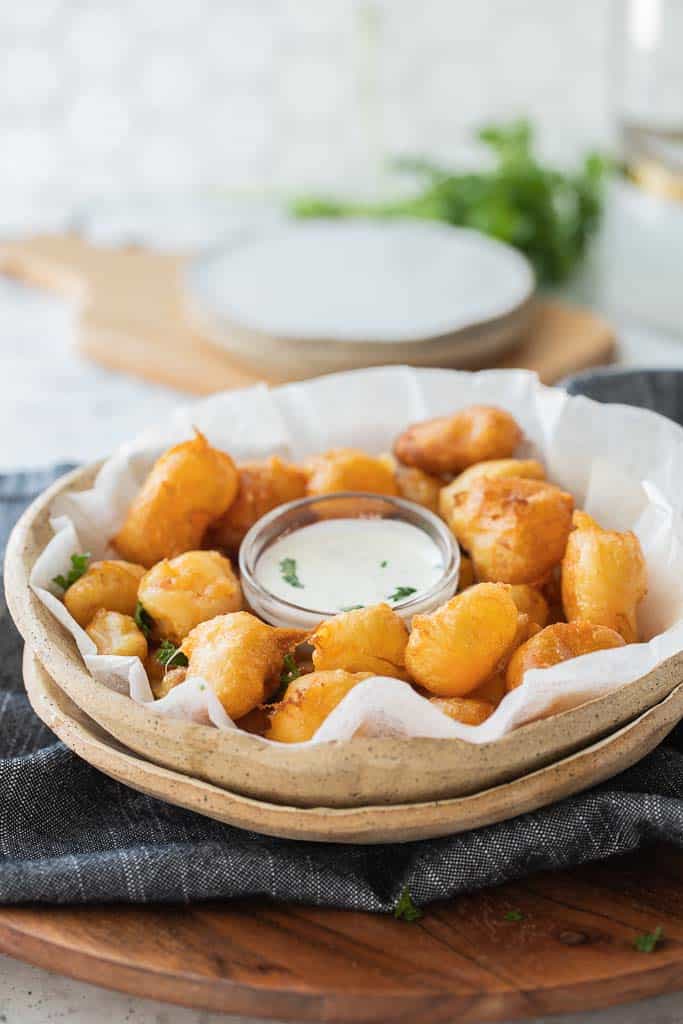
181 592
114 633
162 685
528 469
466 574
467 710
515 530
531 602
307 703
370 639
263 485
414 484
109 584
604 577
449 444
349 469
240 658
458 647
556 643
189 487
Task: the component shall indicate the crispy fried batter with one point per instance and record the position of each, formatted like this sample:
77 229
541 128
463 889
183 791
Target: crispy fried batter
604 577
449 444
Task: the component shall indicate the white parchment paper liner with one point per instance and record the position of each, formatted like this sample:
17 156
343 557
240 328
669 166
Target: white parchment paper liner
623 465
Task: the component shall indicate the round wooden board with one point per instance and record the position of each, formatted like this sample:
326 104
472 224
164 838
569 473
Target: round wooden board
573 949
462 961
359 825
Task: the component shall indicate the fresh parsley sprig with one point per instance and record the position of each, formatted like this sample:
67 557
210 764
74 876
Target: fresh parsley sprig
549 215
288 573
405 909
290 670
170 656
143 620
79 564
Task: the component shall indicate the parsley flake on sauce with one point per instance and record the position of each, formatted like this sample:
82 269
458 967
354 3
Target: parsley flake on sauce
288 573
401 592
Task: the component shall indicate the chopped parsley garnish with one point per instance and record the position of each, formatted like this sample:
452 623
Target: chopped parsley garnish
514 915
143 620
351 607
290 670
405 909
401 592
79 564
288 572
647 943
170 656
383 564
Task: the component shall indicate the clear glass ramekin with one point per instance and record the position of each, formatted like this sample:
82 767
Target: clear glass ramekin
342 505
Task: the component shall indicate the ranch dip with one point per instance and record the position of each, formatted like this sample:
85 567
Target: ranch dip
340 564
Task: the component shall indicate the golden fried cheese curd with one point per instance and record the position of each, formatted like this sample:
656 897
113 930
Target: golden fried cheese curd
515 530
370 639
449 444
189 486
307 703
349 469
240 658
556 643
181 592
604 577
467 710
456 648
263 486
528 469
114 633
531 602
109 584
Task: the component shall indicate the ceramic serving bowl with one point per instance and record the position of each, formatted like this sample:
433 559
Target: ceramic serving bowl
393 823
354 773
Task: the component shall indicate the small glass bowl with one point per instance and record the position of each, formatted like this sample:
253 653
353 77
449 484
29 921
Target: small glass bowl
342 505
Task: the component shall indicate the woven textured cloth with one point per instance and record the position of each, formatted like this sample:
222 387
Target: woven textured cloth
69 834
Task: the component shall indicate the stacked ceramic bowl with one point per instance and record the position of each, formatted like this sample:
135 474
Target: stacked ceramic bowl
397 785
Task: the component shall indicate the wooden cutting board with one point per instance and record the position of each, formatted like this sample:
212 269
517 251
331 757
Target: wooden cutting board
133 317
463 961
568 945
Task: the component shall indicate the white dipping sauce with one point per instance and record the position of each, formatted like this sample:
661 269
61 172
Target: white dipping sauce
336 564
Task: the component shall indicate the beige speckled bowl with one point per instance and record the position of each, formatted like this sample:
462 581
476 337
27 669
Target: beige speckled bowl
396 823
354 773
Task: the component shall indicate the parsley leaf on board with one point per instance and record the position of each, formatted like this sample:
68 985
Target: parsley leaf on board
288 573
79 564
170 656
514 915
547 214
143 620
400 593
405 909
647 943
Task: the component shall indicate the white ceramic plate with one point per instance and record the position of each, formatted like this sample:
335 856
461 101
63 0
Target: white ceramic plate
360 281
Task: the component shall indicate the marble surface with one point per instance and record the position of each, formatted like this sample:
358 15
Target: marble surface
57 407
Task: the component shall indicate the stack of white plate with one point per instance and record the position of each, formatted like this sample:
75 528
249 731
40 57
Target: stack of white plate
309 297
